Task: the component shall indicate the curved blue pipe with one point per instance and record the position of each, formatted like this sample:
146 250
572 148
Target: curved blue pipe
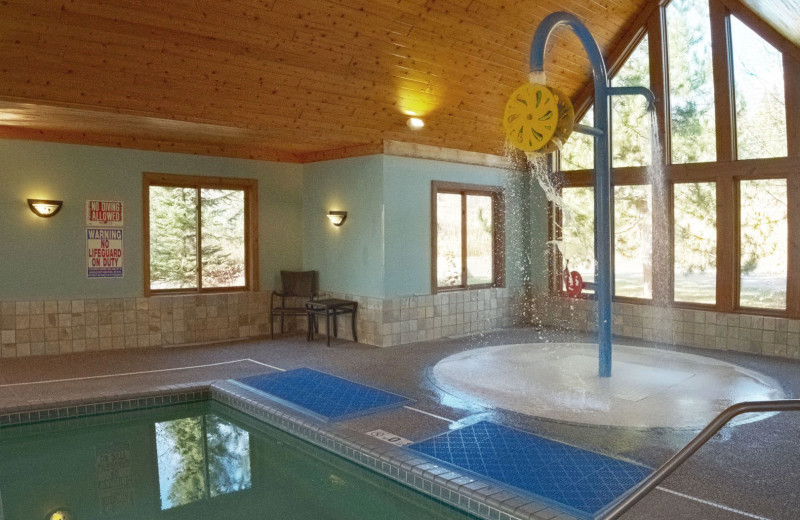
603 196
547 26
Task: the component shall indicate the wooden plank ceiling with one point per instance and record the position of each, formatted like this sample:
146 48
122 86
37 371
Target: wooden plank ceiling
782 15
289 80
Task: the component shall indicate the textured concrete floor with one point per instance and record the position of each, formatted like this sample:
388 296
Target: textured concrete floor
753 468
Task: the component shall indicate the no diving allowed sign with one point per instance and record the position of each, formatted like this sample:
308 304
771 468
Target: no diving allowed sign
104 244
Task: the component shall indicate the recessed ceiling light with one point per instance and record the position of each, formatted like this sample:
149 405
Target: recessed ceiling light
415 123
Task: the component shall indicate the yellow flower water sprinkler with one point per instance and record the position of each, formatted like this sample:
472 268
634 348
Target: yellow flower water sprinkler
538 118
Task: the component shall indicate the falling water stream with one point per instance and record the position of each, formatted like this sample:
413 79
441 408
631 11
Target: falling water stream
656 237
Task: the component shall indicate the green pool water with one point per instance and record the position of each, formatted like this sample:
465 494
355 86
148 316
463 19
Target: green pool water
198 461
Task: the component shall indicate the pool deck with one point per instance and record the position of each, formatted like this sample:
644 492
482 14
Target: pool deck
748 471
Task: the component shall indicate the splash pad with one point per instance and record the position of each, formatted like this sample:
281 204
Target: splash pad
651 388
571 382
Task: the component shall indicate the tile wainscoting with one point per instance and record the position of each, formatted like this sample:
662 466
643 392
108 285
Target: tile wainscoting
49 327
408 319
763 335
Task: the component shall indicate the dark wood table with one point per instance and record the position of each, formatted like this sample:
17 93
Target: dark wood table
330 308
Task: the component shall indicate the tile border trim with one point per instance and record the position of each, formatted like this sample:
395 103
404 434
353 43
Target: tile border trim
461 490
39 412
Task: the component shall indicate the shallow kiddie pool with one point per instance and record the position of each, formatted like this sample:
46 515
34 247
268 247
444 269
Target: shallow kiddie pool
200 461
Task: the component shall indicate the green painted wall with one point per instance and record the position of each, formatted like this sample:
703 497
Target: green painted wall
407 195
350 258
45 258
382 251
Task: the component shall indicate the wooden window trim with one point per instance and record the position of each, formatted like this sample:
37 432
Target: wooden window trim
726 171
722 74
726 175
737 278
250 188
498 233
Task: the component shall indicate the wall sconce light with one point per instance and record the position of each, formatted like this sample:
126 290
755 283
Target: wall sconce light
45 208
337 218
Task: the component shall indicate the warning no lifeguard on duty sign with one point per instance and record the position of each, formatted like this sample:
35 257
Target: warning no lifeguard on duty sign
104 244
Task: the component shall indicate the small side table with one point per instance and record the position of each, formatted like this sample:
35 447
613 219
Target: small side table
330 308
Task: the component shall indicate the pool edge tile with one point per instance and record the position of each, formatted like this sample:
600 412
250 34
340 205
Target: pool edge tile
459 489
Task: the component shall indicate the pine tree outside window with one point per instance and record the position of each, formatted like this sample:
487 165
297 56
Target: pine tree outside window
695 242
578 152
727 224
759 95
631 130
691 82
197 233
201 457
763 243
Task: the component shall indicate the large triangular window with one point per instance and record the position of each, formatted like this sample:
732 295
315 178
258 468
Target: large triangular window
631 124
759 95
691 82
578 152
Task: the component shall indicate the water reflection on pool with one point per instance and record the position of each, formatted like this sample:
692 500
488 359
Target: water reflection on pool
198 461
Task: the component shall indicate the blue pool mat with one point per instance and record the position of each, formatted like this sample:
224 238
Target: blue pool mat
582 481
322 395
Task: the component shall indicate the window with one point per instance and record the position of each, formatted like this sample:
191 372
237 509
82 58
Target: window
718 210
633 241
695 242
760 100
578 152
468 236
198 233
691 82
763 243
577 233
632 127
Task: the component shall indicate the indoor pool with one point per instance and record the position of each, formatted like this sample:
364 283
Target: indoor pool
197 461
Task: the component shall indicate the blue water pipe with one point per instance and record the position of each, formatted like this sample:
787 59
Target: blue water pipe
603 195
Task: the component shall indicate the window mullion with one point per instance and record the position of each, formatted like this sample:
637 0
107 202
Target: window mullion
662 248
464 239
498 241
791 78
727 244
555 216
656 38
791 70
199 241
793 265
723 81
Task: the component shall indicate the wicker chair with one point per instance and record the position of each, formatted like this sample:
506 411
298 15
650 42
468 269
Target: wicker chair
298 287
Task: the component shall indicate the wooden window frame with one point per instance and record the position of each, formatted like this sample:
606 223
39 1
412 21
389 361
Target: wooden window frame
498 233
737 289
250 188
726 171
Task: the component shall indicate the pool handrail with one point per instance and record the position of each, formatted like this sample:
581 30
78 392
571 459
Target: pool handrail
647 485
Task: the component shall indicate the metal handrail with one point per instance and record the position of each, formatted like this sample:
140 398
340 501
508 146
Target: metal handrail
666 469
